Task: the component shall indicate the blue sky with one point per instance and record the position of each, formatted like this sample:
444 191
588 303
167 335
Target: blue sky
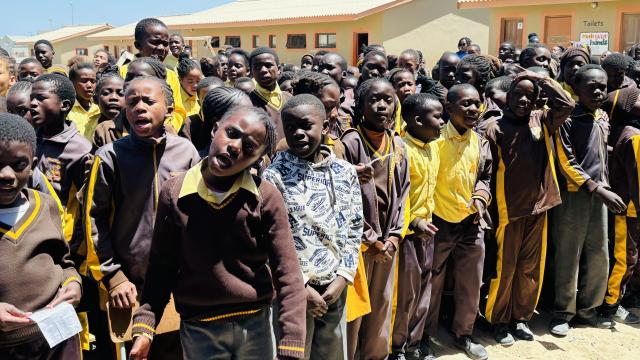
24 17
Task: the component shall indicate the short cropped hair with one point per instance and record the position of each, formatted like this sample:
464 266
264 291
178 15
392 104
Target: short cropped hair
16 128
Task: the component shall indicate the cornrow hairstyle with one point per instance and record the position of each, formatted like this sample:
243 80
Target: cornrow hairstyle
501 82
16 128
73 71
166 89
141 27
301 100
484 66
245 55
616 61
22 86
309 82
286 76
43 42
341 60
185 65
271 137
209 81
416 104
580 74
393 73
159 69
219 100
103 80
62 86
260 51
361 96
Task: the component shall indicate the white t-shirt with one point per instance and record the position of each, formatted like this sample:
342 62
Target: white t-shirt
10 216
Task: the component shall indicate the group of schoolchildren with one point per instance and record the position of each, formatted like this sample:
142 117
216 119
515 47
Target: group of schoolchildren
320 211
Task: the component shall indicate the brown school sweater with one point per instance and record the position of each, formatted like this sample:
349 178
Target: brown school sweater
34 262
260 102
109 131
623 166
620 104
224 261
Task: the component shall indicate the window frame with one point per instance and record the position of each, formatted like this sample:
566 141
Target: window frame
317 40
290 36
227 40
83 50
273 41
255 41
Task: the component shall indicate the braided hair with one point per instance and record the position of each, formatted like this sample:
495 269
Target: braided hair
270 127
219 100
159 70
484 67
185 65
309 82
166 89
361 97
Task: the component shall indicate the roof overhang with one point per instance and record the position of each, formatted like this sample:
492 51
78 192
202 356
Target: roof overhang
71 36
482 4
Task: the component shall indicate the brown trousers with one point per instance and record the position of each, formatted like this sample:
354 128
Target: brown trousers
369 337
515 289
38 349
414 293
624 257
463 245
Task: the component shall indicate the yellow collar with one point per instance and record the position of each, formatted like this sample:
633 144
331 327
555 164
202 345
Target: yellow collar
274 97
450 131
416 142
194 183
186 96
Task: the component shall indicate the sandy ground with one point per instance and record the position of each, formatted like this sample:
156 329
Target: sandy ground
623 342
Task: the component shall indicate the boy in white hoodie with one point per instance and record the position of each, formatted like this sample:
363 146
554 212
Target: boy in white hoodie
323 198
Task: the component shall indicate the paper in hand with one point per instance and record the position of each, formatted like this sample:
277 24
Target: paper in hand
58 323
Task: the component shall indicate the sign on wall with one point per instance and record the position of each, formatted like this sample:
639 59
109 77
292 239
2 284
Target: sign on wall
598 41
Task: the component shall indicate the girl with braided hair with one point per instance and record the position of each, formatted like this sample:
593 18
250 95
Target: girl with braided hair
190 75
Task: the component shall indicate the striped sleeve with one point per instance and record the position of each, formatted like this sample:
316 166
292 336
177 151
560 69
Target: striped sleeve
576 176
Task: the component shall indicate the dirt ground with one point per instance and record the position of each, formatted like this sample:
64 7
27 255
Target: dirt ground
621 343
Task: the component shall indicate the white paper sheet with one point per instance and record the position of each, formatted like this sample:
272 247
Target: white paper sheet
57 324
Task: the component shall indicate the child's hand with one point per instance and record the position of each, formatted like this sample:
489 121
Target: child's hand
426 228
12 318
483 217
611 200
334 290
365 172
387 252
529 75
140 349
71 293
315 302
123 296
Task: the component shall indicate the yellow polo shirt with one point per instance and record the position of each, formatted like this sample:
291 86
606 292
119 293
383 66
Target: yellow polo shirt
459 160
274 98
189 102
86 121
424 162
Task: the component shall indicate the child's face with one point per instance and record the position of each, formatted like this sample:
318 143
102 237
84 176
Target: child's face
237 144
190 82
138 69
409 62
542 58
155 42
405 85
466 74
100 59
428 125
306 63
615 78
465 110
29 71
303 127
522 99
506 51
375 66
223 64
111 97
18 103
330 97
44 54
145 108
16 159
237 67
265 70
330 65
379 106
572 65
46 107
175 45
498 96
462 45
592 91
447 70
85 84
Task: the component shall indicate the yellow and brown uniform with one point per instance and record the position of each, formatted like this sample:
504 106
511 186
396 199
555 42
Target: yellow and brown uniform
526 187
85 120
271 102
464 175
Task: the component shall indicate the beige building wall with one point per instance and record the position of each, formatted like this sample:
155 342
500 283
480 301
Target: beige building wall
66 49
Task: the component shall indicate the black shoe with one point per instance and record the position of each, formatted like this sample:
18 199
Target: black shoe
426 351
596 321
474 350
521 331
631 301
502 335
397 356
413 354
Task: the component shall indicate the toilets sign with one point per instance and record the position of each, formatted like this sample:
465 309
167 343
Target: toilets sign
598 41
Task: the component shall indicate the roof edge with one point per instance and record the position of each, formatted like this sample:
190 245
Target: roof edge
103 27
480 4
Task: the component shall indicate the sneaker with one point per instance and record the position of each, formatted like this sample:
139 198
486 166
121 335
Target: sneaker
474 350
521 331
559 327
502 335
624 316
413 354
397 356
596 321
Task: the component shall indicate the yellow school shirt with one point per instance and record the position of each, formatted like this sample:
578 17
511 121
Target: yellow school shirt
459 159
171 61
229 83
86 121
274 98
190 102
179 113
569 90
424 162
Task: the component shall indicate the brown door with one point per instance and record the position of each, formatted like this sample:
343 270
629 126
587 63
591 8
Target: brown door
361 40
557 30
511 30
630 31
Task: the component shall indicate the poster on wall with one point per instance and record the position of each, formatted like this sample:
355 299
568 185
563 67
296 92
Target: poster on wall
598 41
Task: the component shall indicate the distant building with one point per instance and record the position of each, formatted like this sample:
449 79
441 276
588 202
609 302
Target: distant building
18 52
68 41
